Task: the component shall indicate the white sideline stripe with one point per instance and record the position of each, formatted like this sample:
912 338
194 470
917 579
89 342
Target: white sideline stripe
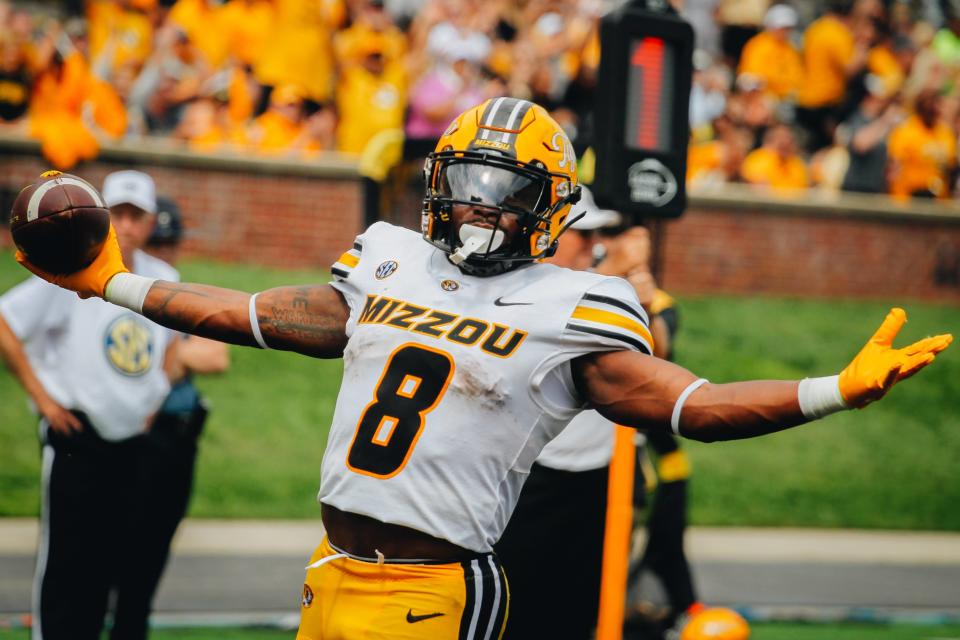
44 550
33 207
18 537
926 619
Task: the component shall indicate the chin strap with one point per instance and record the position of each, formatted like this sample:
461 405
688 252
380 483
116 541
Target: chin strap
556 241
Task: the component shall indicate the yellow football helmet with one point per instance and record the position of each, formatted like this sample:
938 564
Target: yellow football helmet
716 623
509 156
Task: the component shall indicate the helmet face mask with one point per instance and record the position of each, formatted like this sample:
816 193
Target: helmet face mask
516 170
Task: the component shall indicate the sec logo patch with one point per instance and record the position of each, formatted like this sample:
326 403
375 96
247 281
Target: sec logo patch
449 285
128 345
306 598
386 269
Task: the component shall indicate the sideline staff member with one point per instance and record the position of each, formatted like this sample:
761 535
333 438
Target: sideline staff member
463 356
168 453
94 373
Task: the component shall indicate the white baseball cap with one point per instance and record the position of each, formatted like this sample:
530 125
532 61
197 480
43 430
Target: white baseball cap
780 16
130 187
594 217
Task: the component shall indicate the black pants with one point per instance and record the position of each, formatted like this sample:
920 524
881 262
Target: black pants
666 524
164 482
88 496
552 552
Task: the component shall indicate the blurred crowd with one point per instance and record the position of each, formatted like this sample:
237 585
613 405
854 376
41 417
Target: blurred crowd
861 95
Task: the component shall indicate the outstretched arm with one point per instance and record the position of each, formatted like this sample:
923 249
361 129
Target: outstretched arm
310 320
636 390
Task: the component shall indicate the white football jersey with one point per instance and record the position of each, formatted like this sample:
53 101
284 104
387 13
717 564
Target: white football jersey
452 383
585 444
93 356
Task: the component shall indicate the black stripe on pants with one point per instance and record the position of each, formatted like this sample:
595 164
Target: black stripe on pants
87 494
487 599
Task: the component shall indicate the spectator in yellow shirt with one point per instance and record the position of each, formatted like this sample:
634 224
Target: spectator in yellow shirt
831 56
201 21
771 56
718 161
15 82
119 33
371 97
275 130
70 106
248 28
299 50
370 21
776 164
922 151
206 125
319 132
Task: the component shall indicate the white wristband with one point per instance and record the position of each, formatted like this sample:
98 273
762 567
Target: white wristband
678 405
128 290
820 397
255 324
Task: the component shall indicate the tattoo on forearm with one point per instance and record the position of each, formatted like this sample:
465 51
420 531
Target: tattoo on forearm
300 299
297 323
305 318
308 320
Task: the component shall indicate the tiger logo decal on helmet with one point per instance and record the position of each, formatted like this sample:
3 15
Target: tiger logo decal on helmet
510 157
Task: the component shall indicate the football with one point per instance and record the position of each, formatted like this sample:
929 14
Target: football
60 223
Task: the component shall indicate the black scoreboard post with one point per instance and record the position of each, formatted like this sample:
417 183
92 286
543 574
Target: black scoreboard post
641 113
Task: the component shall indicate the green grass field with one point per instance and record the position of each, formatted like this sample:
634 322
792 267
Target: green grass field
892 465
778 631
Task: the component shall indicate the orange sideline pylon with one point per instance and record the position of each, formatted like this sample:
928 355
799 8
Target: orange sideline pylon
616 541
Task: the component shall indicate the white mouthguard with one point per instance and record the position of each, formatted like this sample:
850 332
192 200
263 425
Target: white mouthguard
474 238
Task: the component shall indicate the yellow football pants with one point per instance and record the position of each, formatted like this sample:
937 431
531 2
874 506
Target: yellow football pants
350 599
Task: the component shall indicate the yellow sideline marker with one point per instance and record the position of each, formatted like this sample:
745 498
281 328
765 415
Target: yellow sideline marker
616 540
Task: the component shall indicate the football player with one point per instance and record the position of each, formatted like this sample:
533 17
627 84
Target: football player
463 356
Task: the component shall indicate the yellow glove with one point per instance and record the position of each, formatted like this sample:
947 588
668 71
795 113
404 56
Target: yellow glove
93 280
879 366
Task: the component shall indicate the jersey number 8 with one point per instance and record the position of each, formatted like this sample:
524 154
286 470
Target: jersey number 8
411 385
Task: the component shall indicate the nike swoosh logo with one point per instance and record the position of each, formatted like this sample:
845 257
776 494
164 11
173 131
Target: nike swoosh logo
500 303
412 618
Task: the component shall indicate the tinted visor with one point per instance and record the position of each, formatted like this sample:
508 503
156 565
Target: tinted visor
491 186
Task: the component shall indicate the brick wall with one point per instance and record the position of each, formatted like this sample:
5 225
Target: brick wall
714 251
259 215
292 215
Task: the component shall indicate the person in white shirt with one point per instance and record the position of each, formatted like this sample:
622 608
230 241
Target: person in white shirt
94 373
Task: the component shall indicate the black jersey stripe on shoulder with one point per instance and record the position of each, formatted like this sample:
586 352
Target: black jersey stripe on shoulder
632 310
357 245
611 334
339 272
